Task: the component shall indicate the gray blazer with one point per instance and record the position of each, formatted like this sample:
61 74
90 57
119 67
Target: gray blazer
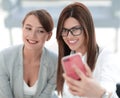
11 73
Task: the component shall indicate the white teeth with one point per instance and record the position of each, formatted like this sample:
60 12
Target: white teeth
32 42
73 41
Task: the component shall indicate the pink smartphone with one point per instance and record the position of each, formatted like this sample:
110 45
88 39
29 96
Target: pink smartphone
71 60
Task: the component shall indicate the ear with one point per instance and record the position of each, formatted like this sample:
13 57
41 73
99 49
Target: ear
49 36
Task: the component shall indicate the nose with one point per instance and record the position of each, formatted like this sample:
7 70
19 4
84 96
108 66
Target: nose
33 33
70 34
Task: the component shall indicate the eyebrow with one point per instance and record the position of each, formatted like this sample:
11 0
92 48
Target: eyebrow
72 27
31 26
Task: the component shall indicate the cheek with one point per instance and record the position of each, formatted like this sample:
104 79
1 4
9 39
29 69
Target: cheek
47 37
24 36
83 40
65 39
43 38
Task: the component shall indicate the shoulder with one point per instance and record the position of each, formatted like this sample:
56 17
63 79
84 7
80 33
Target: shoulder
107 67
105 52
10 57
106 59
50 58
11 51
50 54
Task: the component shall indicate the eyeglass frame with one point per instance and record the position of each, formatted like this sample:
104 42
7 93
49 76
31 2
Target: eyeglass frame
71 31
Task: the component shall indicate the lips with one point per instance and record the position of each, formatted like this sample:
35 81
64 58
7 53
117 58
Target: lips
32 41
72 41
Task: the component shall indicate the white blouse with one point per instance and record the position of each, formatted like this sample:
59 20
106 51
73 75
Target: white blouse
105 73
30 90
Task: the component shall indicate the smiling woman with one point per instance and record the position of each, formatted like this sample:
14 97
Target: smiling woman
29 70
34 34
76 34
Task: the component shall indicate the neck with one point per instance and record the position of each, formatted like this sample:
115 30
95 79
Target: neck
82 51
32 55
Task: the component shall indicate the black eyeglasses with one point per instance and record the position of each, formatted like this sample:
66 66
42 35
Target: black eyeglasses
75 31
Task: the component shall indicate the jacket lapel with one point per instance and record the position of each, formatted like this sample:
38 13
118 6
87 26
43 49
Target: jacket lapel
42 74
18 76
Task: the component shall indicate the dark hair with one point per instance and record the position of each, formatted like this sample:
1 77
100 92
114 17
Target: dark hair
81 13
44 18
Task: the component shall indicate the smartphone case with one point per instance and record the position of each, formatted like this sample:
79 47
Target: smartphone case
71 60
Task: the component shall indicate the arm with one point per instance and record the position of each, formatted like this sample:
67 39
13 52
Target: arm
86 84
109 73
98 85
5 89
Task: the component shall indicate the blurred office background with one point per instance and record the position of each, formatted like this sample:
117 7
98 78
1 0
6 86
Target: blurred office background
106 15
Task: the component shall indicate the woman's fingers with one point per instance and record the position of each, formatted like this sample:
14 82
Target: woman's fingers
79 72
74 85
88 70
76 93
70 81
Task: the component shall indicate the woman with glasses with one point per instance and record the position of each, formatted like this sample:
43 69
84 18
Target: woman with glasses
29 70
76 33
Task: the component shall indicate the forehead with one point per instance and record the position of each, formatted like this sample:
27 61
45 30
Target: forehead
32 20
71 22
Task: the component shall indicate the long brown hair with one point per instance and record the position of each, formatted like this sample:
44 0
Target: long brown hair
81 13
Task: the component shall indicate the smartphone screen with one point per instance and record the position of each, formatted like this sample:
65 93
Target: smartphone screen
71 60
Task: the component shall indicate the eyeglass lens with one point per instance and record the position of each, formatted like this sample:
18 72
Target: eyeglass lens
75 31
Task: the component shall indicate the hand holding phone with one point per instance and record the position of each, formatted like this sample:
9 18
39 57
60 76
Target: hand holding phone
71 60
